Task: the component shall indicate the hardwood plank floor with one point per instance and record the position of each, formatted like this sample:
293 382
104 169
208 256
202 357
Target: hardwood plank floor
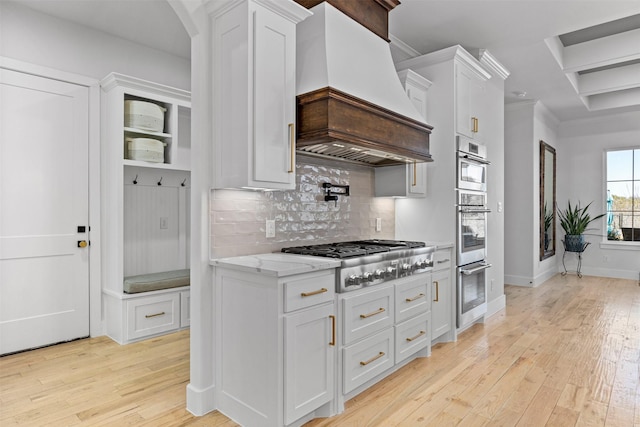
564 354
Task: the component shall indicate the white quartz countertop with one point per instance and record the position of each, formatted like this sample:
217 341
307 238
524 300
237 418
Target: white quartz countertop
276 264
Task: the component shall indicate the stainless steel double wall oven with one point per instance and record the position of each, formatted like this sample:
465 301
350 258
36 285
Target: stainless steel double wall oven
471 231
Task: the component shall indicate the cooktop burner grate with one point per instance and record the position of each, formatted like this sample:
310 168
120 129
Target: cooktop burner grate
352 249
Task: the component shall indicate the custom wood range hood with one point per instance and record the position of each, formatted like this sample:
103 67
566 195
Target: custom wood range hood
351 104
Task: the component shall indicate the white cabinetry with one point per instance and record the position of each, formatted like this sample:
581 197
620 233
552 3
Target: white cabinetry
442 305
406 180
470 98
130 317
382 327
254 93
275 339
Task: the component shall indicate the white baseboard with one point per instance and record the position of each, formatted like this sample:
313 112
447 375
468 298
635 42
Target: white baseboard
200 401
518 281
496 305
608 272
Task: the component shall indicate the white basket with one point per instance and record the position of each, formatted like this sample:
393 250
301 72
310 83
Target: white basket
145 149
144 115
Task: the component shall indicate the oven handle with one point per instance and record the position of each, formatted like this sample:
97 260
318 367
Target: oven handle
475 159
475 210
475 270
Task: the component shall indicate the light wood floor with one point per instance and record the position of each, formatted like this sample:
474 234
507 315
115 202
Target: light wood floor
563 354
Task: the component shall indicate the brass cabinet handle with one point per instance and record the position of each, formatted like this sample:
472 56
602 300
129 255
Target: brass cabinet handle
292 138
475 124
82 243
415 175
442 261
162 313
378 356
308 294
373 313
414 298
437 293
416 336
333 329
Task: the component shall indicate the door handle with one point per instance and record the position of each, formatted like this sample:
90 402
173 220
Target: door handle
83 243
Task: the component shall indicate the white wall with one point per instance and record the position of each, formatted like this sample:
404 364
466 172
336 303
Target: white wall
526 124
44 40
581 177
519 193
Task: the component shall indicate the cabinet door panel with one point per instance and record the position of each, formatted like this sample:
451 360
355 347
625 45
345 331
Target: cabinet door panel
274 108
441 303
309 361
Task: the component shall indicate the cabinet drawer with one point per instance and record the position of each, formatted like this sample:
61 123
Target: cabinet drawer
412 296
185 309
367 358
412 335
442 260
311 289
367 312
152 315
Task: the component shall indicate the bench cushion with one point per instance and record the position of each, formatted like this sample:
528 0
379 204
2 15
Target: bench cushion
156 281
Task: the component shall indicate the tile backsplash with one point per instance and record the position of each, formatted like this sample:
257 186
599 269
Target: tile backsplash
302 217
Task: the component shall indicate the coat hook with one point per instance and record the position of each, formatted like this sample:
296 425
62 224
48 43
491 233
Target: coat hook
160 182
183 181
135 180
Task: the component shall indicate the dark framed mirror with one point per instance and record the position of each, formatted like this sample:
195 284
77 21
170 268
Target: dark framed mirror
547 200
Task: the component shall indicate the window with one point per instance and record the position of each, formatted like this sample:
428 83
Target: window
623 194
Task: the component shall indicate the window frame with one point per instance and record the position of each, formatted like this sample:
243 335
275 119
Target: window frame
616 244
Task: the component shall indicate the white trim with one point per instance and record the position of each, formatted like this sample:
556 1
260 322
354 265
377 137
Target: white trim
200 402
491 63
615 273
96 327
496 305
518 281
403 47
454 52
620 245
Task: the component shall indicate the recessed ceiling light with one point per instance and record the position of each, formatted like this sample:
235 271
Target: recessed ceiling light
520 93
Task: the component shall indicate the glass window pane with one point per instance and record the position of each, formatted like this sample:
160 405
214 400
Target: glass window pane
636 165
620 165
621 193
636 196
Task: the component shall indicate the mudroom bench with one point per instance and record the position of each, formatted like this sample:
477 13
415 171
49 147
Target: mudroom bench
150 305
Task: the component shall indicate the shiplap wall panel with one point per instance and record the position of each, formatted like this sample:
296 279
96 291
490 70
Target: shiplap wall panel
148 248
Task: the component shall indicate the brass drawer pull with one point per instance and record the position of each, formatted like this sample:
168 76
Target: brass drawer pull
414 298
442 261
415 175
309 294
373 313
437 293
374 358
162 313
416 337
333 329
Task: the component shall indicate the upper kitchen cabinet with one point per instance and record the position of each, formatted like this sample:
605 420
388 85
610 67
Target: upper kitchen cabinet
254 89
408 180
145 124
470 95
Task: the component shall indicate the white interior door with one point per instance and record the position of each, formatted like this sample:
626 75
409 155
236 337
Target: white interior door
44 274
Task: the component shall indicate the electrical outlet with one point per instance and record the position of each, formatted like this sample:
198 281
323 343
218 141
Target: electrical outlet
164 223
270 228
378 224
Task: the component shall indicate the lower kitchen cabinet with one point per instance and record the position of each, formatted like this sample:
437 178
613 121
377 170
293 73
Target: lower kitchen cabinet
442 301
309 360
276 346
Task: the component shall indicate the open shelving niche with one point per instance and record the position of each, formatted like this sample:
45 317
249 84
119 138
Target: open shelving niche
145 210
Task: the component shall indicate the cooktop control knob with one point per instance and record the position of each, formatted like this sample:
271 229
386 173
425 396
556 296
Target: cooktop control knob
353 280
406 268
368 277
378 274
421 264
391 271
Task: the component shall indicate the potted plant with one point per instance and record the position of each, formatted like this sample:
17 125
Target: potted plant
574 221
548 220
